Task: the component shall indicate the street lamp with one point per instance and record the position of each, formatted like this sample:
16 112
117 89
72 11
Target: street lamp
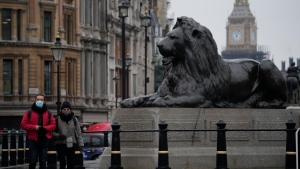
123 13
116 78
146 22
128 64
57 51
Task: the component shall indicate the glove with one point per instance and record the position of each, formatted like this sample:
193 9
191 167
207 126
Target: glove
81 149
42 129
62 137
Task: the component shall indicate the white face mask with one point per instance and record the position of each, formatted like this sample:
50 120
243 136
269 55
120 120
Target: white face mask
66 112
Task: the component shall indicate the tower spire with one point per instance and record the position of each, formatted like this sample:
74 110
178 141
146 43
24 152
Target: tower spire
241 2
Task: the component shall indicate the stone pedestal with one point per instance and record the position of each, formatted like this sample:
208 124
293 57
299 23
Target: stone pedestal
245 149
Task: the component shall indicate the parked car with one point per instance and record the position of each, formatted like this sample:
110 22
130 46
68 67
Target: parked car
93 146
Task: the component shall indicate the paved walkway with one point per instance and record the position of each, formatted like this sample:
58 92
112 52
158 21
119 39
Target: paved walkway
88 164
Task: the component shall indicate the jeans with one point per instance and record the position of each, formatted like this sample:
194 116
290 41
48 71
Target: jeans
38 150
63 152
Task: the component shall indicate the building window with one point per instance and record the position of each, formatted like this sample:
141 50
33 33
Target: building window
68 29
20 77
6 24
119 86
69 24
127 48
118 48
134 84
154 3
19 25
113 81
48 77
7 76
134 56
69 73
47 26
111 46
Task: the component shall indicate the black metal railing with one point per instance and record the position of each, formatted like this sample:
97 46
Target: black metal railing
221 153
15 150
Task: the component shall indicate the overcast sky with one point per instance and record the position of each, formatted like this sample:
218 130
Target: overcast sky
278 23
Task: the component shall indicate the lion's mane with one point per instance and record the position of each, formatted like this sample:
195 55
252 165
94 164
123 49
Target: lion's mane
202 61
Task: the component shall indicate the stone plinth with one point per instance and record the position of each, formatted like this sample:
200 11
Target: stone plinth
246 149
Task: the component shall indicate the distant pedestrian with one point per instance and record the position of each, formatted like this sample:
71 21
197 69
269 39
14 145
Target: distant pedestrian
69 136
39 124
293 71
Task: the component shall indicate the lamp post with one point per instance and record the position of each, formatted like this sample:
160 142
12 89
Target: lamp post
116 78
146 22
123 13
57 51
128 64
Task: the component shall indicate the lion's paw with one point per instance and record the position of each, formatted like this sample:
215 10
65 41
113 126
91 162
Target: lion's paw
159 102
127 103
132 102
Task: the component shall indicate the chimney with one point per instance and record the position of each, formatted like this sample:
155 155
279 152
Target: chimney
298 62
283 66
290 60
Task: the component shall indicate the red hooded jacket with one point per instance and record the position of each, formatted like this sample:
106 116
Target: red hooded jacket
30 124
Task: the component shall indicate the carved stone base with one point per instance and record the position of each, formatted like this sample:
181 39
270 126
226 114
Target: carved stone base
245 149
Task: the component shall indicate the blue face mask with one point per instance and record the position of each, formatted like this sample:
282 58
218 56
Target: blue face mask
39 104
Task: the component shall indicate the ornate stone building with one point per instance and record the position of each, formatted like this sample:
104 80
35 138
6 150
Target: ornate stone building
27 29
91 32
241 34
135 49
94 60
101 58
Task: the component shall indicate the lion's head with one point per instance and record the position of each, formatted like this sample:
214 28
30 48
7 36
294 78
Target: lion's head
191 46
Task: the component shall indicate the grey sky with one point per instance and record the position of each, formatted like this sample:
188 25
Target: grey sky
278 23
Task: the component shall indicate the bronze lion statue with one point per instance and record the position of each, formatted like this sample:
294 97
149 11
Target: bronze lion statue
197 76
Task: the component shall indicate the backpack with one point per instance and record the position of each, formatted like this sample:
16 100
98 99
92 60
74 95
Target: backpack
49 115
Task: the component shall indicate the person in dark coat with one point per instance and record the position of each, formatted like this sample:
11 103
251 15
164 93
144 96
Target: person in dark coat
69 136
293 71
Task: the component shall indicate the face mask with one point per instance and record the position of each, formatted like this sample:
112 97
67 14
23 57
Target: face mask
66 112
39 104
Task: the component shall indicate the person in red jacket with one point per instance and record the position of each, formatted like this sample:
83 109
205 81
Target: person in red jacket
39 126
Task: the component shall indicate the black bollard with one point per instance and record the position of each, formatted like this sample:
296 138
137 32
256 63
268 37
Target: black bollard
290 156
105 144
4 160
51 159
27 153
21 149
221 146
13 148
163 152
78 159
115 147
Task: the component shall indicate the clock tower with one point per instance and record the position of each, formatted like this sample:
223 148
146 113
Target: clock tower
241 34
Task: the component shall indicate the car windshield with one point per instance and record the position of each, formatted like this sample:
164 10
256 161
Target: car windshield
92 141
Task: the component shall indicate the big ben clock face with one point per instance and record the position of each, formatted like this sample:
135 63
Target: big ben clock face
236 35
252 35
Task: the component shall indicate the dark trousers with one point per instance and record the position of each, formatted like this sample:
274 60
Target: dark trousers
65 153
38 150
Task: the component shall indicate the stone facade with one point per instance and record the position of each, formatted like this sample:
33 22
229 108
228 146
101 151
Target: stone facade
91 32
28 29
